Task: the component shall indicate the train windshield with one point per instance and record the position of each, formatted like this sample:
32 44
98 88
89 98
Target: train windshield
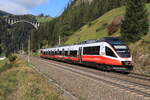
122 50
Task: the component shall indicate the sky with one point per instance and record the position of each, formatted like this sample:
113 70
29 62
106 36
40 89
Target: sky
52 8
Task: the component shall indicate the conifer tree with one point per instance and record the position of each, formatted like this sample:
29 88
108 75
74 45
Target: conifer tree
135 23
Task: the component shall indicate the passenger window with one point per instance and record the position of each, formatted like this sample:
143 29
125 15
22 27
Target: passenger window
53 53
66 53
109 52
94 50
73 53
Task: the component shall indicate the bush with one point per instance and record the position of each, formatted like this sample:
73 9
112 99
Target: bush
12 58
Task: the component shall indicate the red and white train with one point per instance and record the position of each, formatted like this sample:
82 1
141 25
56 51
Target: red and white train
108 53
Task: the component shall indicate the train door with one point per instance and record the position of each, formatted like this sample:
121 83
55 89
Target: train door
102 50
80 54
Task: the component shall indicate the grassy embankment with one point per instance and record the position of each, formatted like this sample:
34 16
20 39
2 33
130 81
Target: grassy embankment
98 29
2 62
43 19
88 31
18 81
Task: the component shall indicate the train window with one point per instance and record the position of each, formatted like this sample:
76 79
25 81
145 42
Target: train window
54 52
60 52
94 50
66 53
73 53
109 52
122 50
50 52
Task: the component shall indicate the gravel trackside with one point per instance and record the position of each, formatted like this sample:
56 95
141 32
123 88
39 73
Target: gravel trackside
83 87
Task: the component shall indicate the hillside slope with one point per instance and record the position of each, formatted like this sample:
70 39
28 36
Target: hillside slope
98 29
43 19
95 29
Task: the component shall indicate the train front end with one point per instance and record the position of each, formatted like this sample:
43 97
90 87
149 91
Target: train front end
123 55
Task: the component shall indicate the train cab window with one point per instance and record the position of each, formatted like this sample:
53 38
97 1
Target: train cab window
122 50
73 53
94 50
109 52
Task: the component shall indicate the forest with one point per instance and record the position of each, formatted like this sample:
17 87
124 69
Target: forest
72 19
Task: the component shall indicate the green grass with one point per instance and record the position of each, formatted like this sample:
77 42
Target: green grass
35 54
43 19
2 62
23 83
88 32
2 54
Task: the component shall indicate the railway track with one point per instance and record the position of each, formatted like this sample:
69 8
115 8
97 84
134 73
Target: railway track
131 75
134 84
139 76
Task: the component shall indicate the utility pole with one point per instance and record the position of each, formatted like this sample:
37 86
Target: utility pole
22 49
59 40
29 49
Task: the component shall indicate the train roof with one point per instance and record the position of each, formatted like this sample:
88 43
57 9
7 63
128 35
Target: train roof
110 40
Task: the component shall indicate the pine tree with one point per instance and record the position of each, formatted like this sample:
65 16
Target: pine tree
135 23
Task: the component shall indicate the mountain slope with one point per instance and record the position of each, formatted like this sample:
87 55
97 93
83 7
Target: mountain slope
95 29
3 13
98 28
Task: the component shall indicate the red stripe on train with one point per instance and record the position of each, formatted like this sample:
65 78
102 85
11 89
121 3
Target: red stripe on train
89 58
101 60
